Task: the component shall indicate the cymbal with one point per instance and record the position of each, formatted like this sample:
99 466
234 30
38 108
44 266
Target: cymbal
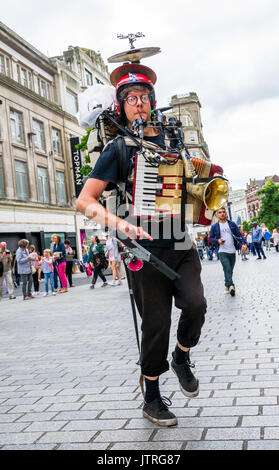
134 55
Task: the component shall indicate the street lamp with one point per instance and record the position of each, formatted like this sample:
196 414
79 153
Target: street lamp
229 203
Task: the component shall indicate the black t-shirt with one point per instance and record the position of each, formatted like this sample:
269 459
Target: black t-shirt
106 169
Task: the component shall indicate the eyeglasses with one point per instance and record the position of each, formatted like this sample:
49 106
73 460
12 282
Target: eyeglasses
133 100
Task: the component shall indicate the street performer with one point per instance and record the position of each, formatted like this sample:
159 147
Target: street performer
153 291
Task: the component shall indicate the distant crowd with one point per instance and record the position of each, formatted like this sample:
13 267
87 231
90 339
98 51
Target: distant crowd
255 239
27 267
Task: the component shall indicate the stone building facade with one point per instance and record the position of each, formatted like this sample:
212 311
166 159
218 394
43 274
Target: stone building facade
186 108
238 206
38 106
253 200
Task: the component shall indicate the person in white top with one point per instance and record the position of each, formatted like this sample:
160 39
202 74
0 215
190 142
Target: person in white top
228 237
114 259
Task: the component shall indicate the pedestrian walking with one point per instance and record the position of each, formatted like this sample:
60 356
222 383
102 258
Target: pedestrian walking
16 276
250 245
35 263
199 244
47 263
257 240
267 237
114 258
227 235
275 236
153 292
59 254
97 257
208 247
24 268
6 270
69 262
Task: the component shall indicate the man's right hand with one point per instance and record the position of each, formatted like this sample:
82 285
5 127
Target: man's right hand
221 241
133 232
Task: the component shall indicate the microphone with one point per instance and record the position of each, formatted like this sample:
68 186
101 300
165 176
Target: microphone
138 125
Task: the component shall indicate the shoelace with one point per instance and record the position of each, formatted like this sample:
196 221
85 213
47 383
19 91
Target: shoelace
165 402
188 365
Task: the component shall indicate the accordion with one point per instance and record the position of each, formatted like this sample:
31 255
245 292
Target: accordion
157 190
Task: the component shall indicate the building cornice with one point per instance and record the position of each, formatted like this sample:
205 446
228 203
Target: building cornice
17 43
9 204
32 95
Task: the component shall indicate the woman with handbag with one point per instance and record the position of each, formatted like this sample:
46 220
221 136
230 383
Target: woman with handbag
59 254
97 257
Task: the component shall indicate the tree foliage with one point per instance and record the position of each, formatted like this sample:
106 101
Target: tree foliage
83 147
269 212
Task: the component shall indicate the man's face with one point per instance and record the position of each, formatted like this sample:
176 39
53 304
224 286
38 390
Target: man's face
221 214
3 246
139 109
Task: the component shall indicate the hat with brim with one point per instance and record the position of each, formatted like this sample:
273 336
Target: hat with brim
125 69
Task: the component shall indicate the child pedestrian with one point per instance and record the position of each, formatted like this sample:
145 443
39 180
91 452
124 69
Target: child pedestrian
48 268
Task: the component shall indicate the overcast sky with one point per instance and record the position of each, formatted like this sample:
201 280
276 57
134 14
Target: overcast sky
226 51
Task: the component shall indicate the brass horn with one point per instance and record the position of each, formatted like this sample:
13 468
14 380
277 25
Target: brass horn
214 194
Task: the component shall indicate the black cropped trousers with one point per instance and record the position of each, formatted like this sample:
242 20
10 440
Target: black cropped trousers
154 294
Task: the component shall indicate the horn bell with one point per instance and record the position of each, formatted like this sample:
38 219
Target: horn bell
214 194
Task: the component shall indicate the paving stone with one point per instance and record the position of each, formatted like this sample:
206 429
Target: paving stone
211 402
232 434
45 426
75 415
262 421
214 445
263 445
156 446
70 436
30 417
110 405
123 436
178 434
230 411
271 433
30 447
237 393
94 424
91 446
64 406
12 427
9 418
19 438
256 401
196 422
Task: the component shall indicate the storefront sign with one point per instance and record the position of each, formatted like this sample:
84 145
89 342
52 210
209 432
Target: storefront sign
76 159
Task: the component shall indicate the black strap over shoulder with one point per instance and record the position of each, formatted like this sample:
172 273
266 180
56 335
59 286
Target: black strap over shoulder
121 153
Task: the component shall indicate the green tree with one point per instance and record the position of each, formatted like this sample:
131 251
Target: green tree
83 147
269 212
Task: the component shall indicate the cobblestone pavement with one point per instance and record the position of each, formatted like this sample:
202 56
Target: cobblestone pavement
69 379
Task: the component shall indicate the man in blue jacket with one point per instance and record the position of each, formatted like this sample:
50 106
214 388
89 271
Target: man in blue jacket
257 240
228 237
